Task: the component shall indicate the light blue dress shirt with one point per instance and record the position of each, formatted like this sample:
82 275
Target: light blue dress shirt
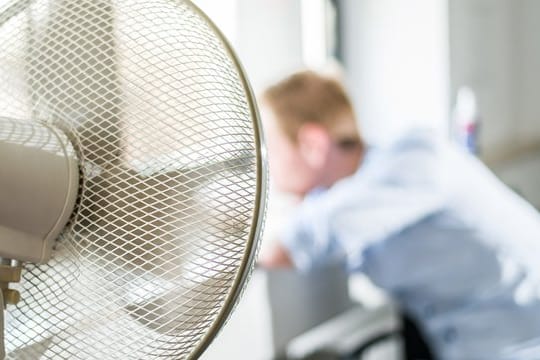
439 232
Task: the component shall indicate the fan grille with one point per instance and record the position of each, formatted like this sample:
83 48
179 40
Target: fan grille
164 127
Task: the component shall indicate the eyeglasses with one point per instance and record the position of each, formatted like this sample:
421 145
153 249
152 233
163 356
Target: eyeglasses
349 143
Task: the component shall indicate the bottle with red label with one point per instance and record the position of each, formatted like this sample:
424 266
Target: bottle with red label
465 120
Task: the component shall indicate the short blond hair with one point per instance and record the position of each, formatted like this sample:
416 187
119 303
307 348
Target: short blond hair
307 97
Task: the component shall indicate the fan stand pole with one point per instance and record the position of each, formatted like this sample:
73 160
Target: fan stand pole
2 346
10 271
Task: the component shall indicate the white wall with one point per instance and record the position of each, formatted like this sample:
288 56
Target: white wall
495 47
266 35
495 50
396 55
528 66
269 37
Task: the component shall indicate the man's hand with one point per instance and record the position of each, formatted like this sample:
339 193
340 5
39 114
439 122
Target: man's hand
276 257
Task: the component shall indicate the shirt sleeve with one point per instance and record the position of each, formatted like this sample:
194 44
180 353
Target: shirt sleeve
393 190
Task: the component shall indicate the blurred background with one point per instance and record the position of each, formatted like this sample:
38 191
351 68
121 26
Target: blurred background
405 63
469 69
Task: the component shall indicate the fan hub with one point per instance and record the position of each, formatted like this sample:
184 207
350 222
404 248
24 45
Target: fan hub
38 188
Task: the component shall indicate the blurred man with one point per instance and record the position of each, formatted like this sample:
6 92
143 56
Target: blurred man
456 249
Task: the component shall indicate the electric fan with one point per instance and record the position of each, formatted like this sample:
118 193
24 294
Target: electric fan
132 182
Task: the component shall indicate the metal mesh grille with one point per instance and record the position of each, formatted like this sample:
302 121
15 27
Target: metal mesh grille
35 136
168 212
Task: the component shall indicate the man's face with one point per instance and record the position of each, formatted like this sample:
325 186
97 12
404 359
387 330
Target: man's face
288 170
346 152
317 159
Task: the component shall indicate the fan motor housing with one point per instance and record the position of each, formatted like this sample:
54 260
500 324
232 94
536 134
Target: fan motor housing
38 188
